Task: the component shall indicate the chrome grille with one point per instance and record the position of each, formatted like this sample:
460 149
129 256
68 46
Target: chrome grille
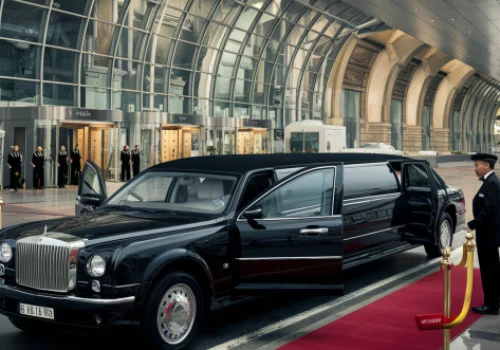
46 262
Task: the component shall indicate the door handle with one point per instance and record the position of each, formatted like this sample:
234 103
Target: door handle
313 231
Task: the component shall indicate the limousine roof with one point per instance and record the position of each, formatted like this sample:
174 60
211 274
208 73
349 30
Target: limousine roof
243 163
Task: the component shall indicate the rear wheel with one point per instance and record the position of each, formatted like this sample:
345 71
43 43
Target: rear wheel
174 311
443 237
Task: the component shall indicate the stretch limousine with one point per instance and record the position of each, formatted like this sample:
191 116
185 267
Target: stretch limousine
183 235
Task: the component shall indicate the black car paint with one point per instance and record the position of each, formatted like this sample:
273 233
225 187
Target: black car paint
139 247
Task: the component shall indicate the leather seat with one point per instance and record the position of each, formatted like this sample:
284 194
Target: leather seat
211 189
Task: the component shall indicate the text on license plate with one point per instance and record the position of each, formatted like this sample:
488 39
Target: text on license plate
36 311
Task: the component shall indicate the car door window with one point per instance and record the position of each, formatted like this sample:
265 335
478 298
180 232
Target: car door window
363 181
90 182
257 185
416 176
308 195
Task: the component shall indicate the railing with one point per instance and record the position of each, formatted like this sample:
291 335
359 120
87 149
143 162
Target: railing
444 321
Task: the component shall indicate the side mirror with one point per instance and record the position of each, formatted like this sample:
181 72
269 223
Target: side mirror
253 213
92 200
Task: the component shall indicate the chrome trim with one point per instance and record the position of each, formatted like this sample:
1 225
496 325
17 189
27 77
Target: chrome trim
334 257
314 230
301 218
375 232
48 262
292 177
88 301
368 199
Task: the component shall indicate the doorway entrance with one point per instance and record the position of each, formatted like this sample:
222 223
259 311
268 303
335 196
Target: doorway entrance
254 141
179 141
95 142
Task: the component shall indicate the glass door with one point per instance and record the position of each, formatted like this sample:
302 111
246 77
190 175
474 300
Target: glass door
45 136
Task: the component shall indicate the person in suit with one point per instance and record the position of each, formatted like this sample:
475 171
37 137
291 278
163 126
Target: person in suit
38 163
136 160
14 162
486 223
75 158
126 160
62 167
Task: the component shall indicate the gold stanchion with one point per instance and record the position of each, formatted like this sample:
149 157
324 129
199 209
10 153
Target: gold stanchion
446 267
469 247
443 321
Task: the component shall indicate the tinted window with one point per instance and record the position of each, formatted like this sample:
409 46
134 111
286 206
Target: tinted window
416 176
90 182
362 181
309 195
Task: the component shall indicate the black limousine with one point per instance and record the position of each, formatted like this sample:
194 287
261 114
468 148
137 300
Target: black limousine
170 243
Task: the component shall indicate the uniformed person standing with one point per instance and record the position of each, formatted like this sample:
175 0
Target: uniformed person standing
136 161
126 159
14 162
486 223
62 167
38 163
75 158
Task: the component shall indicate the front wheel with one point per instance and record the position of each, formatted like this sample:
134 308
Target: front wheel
174 311
444 237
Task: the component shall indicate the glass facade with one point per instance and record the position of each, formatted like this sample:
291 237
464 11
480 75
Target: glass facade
351 107
261 59
426 128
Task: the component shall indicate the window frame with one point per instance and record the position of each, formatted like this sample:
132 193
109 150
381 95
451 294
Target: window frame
287 180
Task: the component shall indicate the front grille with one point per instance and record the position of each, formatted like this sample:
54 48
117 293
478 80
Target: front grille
47 262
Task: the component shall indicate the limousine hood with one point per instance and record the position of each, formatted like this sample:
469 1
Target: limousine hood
102 226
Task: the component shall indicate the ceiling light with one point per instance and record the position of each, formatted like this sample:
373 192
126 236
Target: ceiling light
453 19
415 10
432 20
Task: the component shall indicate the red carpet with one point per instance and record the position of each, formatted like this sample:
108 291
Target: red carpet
389 323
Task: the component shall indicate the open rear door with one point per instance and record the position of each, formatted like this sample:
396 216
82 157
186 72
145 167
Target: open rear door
91 189
421 195
291 237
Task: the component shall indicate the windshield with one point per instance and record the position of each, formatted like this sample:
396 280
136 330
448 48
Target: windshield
176 191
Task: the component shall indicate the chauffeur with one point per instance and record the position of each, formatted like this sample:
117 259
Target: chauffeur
136 160
486 211
126 160
14 162
38 163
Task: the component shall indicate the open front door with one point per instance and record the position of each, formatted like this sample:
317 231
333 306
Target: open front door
91 189
421 193
290 238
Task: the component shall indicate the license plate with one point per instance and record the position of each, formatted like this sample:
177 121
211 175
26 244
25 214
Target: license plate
36 311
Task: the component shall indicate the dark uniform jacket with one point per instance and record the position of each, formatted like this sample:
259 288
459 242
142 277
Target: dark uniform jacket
125 157
38 159
136 157
62 159
486 210
75 157
15 160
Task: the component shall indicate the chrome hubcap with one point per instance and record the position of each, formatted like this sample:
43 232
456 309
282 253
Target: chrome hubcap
176 314
445 234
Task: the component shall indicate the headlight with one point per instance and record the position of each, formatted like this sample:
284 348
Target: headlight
96 267
5 253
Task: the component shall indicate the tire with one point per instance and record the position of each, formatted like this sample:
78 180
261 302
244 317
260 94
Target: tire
30 326
445 228
184 325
